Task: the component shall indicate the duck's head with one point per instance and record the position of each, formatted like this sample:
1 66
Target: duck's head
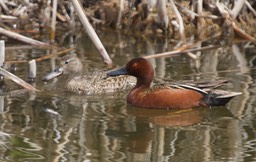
68 65
137 67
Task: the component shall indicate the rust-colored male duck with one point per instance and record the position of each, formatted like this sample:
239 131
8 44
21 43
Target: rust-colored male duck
90 83
171 97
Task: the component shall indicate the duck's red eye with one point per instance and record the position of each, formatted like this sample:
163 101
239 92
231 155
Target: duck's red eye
134 65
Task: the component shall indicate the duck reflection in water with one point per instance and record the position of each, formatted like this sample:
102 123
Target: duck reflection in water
89 83
177 96
140 139
155 127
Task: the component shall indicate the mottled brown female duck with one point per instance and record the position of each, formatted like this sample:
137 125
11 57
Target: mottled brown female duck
167 97
90 83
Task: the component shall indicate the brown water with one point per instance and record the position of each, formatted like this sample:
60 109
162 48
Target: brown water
54 125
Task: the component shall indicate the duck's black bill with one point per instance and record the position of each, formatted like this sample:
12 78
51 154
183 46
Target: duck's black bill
117 72
53 75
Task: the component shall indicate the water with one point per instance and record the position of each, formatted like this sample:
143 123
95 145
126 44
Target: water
54 125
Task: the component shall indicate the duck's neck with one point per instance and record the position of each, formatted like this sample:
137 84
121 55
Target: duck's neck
73 75
143 83
141 86
145 80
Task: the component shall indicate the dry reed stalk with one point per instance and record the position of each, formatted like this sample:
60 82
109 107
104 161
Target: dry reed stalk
183 49
40 58
180 20
4 7
162 16
8 17
92 34
53 55
237 8
243 34
250 8
121 9
22 38
17 80
32 70
200 20
2 53
53 23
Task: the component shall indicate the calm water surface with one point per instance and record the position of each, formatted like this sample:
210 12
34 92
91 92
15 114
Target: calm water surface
55 125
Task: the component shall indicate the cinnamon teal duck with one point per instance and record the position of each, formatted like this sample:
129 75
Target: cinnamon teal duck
90 83
179 96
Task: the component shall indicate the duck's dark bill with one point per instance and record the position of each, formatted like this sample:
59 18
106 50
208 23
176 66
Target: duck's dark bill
53 74
117 72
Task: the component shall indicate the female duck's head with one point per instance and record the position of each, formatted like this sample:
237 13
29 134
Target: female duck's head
68 65
139 68
71 65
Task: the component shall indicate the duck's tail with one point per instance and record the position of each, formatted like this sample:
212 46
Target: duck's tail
213 97
218 97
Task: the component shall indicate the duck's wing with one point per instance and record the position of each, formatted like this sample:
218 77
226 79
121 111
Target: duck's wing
209 83
202 84
117 83
212 97
97 82
184 86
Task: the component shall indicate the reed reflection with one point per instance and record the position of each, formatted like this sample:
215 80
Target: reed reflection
40 125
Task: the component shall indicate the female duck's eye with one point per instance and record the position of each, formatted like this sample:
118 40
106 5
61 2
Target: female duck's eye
66 62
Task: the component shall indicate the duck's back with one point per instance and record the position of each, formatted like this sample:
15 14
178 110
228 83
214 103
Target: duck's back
97 82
